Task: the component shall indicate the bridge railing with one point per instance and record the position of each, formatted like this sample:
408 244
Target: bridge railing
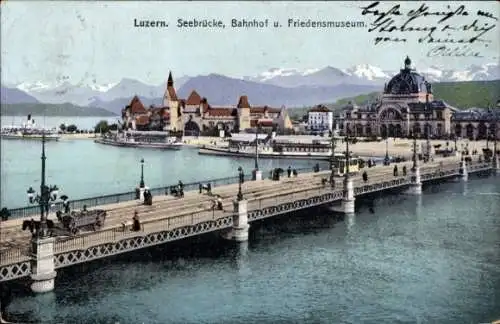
128 196
14 255
116 234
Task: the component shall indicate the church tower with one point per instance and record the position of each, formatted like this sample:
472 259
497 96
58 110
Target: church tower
243 113
170 100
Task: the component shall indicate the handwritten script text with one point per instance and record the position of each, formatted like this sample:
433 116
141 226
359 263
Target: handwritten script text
454 31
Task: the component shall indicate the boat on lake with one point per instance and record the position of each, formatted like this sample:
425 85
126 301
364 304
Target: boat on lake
149 139
29 131
268 147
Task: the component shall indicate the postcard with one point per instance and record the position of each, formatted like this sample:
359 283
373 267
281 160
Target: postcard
249 161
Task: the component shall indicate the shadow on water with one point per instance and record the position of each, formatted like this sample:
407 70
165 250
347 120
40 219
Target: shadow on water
197 258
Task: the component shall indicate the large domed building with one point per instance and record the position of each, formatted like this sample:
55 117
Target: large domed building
407 105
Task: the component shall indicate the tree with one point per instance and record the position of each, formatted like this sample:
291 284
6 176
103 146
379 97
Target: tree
101 126
71 128
62 127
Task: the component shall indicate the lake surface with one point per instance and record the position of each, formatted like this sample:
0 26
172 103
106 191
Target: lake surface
84 123
428 259
82 168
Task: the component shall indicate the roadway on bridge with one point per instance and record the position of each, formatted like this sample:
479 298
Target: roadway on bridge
12 235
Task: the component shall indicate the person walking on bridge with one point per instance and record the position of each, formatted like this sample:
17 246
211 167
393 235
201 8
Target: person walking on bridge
136 226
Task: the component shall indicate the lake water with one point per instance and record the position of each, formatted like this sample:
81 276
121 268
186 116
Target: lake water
82 168
85 123
428 259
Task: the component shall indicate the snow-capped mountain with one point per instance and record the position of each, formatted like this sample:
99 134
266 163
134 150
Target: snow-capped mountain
367 72
299 80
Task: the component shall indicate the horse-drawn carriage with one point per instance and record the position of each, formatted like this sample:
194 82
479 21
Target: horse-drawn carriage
74 222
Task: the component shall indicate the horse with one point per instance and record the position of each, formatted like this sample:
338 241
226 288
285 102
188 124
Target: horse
34 226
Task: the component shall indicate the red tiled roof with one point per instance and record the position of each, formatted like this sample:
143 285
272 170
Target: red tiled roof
136 106
320 108
171 93
243 102
221 112
193 99
261 110
142 120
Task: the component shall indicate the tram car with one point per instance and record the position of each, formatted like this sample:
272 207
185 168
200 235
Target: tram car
75 222
339 165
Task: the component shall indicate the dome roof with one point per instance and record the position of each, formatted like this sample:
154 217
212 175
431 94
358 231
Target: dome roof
407 81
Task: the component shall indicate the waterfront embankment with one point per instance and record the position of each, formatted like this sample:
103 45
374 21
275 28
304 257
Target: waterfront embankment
395 147
79 136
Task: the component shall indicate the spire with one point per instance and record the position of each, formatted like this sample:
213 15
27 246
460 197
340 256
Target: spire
407 63
170 82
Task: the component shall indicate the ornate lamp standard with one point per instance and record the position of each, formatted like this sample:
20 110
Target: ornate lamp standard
257 147
240 182
47 194
415 158
347 158
141 184
332 157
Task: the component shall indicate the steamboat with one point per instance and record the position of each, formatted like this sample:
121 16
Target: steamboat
271 147
29 131
141 139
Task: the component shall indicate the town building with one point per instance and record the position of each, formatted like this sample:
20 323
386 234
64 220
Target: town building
320 118
194 116
407 106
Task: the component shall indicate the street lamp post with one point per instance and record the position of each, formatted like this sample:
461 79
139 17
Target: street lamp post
141 184
332 156
47 194
240 182
415 158
347 158
428 142
257 147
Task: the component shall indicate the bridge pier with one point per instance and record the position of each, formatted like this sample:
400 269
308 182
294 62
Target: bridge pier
43 271
496 164
239 231
348 201
257 175
464 174
416 184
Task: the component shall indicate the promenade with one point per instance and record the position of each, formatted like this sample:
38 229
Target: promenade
171 218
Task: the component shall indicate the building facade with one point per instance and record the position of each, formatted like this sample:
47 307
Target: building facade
194 115
320 118
407 106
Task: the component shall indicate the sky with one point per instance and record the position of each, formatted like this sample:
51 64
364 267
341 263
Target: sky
84 42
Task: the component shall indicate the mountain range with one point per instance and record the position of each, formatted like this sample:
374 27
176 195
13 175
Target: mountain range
275 87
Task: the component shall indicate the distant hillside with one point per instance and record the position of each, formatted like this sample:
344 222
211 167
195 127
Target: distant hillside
15 96
116 105
462 95
468 94
23 109
222 90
